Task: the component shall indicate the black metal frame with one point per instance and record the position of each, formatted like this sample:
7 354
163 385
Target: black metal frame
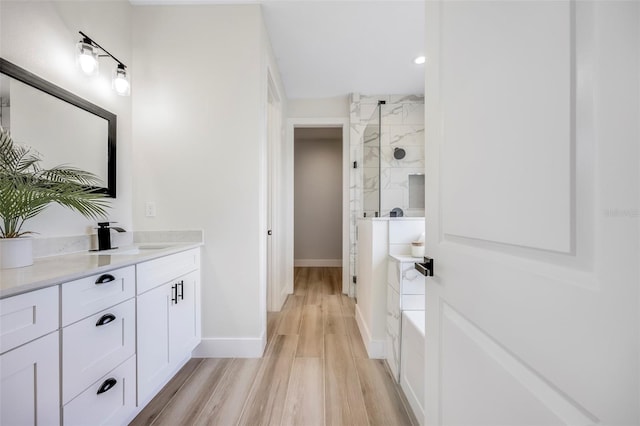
39 83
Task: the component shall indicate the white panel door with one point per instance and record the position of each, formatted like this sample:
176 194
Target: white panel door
532 212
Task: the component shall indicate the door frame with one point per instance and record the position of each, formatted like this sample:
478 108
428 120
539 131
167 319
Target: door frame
292 124
274 143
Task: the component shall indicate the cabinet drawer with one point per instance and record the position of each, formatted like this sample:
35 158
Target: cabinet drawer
113 406
27 316
159 271
413 302
89 295
89 350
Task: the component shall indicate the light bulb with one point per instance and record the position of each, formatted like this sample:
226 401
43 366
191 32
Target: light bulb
419 60
121 81
87 57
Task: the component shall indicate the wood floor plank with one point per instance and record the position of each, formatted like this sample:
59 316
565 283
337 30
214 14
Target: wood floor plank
333 279
315 274
332 314
344 403
266 401
355 338
301 281
186 405
273 321
314 294
348 306
291 315
381 398
311 340
227 401
304 404
157 404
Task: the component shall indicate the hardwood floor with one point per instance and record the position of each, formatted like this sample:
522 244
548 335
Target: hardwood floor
315 371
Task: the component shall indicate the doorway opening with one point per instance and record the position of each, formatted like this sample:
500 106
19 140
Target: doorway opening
318 197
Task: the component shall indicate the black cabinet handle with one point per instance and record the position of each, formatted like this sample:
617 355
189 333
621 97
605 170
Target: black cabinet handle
181 284
106 278
105 319
108 384
174 293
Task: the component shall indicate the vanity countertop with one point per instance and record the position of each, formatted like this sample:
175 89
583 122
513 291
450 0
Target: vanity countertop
405 258
54 270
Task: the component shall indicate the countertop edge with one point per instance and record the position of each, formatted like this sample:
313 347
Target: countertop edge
119 261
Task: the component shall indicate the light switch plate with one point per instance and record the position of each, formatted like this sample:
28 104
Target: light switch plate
150 209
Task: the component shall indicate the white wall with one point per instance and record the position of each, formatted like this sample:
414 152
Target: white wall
319 108
318 202
200 132
41 37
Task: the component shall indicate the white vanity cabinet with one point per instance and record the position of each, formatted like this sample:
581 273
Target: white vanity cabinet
405 291
168 318
98 348
29 359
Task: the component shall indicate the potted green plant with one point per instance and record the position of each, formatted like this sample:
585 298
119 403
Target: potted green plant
26 189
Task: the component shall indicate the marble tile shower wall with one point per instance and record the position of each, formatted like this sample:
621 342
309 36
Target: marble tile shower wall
402 127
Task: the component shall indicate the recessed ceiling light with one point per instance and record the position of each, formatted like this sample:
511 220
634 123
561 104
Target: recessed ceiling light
419 60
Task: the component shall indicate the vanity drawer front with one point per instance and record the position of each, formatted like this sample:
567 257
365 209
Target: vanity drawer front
413 302
114 406
27 316
159 271
89 295
89 350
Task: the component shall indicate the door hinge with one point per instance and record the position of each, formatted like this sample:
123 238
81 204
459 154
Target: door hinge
355 279
355 164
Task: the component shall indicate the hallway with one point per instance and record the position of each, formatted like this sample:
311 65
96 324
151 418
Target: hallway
315 372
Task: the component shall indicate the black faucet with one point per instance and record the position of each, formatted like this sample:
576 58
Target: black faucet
104 235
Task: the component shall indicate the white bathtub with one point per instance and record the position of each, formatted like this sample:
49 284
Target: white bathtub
412 361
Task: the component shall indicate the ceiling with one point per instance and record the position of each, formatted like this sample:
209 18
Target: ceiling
327 48
332 48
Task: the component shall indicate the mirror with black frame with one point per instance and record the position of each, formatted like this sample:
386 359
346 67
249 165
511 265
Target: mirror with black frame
63 127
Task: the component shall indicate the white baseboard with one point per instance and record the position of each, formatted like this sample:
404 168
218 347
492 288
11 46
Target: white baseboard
318 263
375 348
243 347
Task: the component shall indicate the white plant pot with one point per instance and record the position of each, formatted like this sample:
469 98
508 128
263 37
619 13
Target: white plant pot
16 252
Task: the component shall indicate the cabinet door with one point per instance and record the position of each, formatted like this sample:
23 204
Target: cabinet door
154 363
183 317
30 383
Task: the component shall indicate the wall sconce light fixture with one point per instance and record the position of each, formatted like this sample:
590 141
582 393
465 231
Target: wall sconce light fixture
87 54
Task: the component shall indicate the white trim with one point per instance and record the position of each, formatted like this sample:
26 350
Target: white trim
318 263
375 348
342 122
242 347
